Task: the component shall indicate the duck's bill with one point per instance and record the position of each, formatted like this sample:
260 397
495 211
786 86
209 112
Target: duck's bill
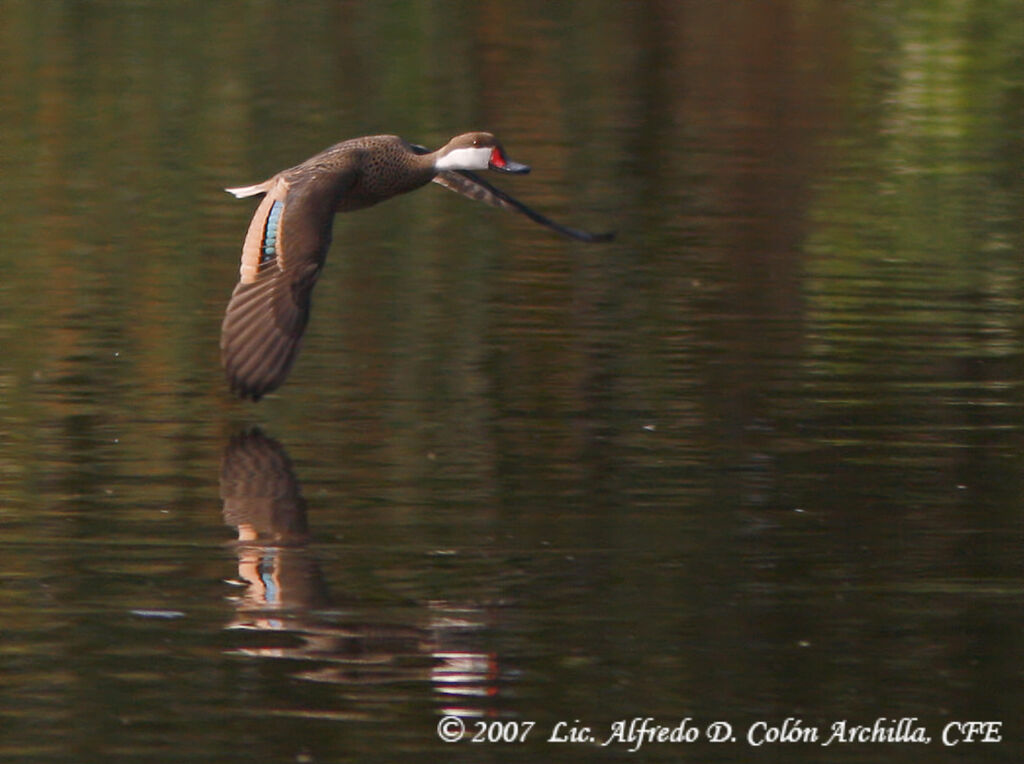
511 167
502 163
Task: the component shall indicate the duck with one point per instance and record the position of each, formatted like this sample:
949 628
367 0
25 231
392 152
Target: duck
288 238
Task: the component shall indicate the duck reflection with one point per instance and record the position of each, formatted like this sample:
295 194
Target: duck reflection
283 590
263 501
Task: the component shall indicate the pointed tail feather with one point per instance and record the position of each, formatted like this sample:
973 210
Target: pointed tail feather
243 191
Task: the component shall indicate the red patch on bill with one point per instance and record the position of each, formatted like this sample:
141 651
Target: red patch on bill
497 159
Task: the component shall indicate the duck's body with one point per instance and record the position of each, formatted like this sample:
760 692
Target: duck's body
290 234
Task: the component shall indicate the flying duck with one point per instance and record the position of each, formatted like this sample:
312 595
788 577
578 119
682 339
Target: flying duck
290 233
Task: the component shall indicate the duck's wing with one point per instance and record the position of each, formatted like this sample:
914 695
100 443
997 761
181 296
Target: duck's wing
282 257
473 186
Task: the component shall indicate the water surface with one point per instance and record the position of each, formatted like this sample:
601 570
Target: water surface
757 459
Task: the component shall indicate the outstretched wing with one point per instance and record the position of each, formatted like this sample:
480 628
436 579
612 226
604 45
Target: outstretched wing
282 257
473 186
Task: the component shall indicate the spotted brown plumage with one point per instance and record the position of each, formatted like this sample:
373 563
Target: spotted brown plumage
290 233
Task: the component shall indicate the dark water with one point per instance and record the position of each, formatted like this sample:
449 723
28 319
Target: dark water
757 460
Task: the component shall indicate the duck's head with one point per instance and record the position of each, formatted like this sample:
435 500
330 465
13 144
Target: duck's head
476 151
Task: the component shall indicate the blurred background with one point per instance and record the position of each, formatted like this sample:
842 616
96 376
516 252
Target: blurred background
758 458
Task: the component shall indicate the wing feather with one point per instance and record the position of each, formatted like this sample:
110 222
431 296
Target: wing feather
471 185
282 257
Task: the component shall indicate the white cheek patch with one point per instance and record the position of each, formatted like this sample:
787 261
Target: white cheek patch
465 159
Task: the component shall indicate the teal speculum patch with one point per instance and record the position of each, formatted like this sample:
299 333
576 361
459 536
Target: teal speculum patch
269 251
